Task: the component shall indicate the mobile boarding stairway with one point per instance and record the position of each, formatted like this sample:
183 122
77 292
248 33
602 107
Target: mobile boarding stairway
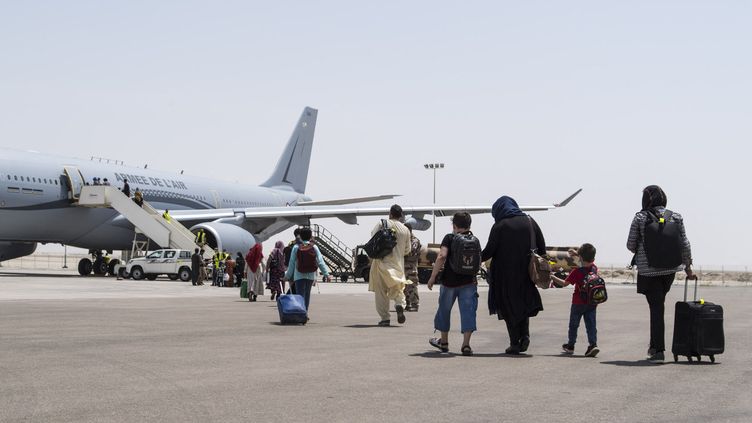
146 219
337 256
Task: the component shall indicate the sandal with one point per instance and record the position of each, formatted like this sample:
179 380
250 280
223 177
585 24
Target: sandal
436 343
466 350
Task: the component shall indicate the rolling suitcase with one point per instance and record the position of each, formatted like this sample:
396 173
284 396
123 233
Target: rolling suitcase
244 289
698 328
292 309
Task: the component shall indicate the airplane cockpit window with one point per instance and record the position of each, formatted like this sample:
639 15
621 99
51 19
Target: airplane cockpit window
170 254
155 255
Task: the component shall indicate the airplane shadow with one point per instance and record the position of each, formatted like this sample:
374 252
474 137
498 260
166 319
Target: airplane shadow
35 275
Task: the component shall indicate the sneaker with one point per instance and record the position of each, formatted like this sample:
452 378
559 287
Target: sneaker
436 343
657 358
651 352
384 323
592 351
400 314
568 349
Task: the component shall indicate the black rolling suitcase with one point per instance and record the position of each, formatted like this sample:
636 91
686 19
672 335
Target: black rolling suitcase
698 328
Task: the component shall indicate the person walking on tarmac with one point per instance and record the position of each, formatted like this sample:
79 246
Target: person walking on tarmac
196 260
387 277
411 272
166 215
254 267
239 269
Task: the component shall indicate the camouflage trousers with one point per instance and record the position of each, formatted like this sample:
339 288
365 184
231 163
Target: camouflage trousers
411 293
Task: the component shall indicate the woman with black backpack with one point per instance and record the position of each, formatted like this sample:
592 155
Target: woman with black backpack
661 248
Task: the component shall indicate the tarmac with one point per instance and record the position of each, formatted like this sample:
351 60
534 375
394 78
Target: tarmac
92 349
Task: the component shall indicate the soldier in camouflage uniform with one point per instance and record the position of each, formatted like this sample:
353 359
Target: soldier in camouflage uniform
411 272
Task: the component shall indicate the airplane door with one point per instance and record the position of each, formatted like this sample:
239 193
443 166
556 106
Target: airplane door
217 199
75 181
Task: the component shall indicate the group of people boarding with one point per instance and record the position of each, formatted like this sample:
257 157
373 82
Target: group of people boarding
512 296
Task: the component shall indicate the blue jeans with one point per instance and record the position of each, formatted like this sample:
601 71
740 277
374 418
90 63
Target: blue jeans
588 313
467 297
303 287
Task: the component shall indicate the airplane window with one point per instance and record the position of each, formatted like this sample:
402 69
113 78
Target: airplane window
9 177
16 176
55 182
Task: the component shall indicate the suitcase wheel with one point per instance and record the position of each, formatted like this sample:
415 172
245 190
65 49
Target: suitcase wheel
712 358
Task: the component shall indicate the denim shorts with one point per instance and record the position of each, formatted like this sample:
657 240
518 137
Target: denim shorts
467 297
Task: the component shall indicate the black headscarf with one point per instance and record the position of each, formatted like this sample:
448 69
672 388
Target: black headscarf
653 196
505 207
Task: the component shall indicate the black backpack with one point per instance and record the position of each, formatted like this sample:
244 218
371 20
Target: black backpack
287 252
382 242
464 254
663 240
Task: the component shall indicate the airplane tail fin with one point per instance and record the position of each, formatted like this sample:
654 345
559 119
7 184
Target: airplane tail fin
292 167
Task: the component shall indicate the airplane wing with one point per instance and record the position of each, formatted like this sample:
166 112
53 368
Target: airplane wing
343 201
348 214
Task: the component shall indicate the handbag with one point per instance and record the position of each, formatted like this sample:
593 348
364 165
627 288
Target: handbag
539 268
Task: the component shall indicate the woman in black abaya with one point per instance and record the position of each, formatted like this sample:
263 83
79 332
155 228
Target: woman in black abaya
513 297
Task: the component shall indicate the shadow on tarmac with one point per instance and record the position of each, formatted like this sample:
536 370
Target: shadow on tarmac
437 354
625 363
368 326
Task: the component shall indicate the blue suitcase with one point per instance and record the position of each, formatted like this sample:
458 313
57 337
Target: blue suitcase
292 309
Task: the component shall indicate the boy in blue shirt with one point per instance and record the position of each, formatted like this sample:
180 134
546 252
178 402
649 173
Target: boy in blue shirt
580 308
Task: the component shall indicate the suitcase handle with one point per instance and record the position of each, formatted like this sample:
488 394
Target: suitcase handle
686 282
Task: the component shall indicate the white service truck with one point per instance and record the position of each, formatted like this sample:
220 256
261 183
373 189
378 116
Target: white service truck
176 264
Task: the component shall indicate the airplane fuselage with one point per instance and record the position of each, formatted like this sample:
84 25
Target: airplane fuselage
36 206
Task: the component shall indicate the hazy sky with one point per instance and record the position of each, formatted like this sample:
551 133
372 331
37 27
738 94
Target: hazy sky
531 99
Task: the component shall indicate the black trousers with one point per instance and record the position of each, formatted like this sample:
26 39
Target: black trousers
518 331
655 289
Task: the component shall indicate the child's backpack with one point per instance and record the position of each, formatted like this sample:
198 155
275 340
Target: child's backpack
306 259
663 240
593 289
464 255
382 242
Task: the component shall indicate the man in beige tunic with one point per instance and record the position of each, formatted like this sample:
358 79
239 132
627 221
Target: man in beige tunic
387 278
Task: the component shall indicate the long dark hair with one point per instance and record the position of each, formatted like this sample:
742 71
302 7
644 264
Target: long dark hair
653 196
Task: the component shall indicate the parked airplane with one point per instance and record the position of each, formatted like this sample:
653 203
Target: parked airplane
38 192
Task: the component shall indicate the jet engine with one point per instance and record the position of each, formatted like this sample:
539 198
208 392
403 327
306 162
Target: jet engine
418 224
225 236
11 250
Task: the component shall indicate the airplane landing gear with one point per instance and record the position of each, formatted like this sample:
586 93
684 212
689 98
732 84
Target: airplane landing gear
84 267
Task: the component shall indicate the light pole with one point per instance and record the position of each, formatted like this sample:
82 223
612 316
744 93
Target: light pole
434 166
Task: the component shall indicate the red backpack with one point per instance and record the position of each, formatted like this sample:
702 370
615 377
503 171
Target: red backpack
306 259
